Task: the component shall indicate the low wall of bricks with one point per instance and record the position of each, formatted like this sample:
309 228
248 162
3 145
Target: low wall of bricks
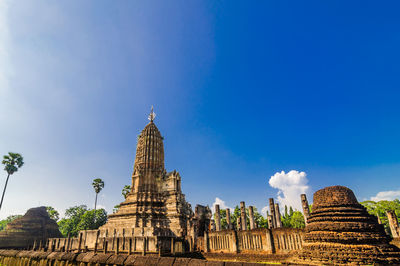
44 258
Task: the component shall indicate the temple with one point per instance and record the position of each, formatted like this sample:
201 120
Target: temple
155 219
155 206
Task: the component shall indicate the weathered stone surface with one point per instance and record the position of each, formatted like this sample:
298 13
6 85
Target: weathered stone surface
141 260
152 261
100 258
233 263
215 263
53 255
117 259
166 261
197 262
34 225
85 257
182 261
340 231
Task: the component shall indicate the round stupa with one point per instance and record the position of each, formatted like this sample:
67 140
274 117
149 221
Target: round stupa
340 231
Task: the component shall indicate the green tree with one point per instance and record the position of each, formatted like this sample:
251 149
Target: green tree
12 161
81 218
258 218
380 208
9 219
297 220
125 191
292 219
53 213
98 185
92 219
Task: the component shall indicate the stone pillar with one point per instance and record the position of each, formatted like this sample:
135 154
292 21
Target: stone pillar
234 246
393 223
243 221
206 249
238 224
251 217
217 218
278 216
272 210
212 225
270 221
228 218
270 240
306 208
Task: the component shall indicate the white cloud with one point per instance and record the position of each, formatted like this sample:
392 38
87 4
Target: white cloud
387 195
221 203
290 186
264 211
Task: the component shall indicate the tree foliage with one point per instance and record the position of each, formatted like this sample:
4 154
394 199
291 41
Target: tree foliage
9 219
380 208
81 218
98 185
125 191
292 219
53 213
12 161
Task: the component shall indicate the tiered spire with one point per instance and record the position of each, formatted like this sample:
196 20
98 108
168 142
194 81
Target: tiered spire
149 161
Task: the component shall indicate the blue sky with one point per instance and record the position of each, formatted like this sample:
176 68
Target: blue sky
242 91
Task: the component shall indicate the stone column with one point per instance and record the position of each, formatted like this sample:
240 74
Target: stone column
272 210
206 246
270 219
238 224
278 216
251 217
243 215
212 223
306 208
393 223
228 218
217 218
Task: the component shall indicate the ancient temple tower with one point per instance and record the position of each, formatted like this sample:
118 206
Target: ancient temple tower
155 205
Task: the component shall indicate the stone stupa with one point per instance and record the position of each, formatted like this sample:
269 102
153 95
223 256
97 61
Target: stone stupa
35 225
340 231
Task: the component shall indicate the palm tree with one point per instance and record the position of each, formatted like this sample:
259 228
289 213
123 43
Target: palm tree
98 185
12 162
126 190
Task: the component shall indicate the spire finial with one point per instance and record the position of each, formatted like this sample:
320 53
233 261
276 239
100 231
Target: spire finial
152 115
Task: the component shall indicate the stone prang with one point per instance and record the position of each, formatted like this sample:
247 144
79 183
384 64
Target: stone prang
340 231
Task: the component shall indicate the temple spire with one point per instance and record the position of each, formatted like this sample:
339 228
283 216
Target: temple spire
152 115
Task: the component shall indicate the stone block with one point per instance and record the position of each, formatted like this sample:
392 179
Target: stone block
166 261
100 258
215 263
197 262
117 259
181 261
140 261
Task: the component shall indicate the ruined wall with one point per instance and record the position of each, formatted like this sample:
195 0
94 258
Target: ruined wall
260 240
100 241
44 258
